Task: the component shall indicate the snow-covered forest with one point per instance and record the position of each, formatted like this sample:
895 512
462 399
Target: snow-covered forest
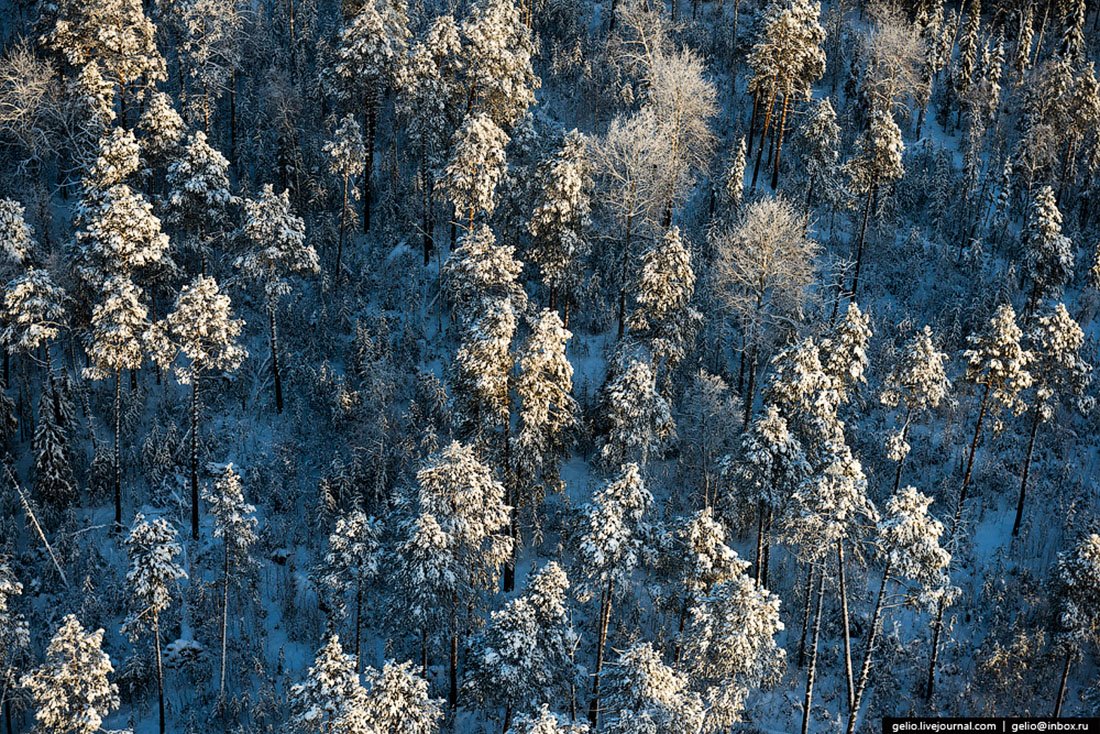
547 366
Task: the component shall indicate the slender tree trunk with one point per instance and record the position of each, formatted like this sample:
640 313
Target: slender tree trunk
343 230
840 564
358 624
904 436
937 630
760 543
809 595
507 724
763 137
118 451
1062 685
872 638
811 674
604 620
779 142
752 121
7 716
750 393
1035 420
622 277
452 692
368 171
862 239
160 671
194 454
427 238
275 357
225 616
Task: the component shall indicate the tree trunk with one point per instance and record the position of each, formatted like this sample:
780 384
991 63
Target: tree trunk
904 436
225 616
622 277
752 121
862 239
763 137
760 543
1035 420
275 357
842 575
160 671
194 454
427 238
872 638
118 450
750 393
1062 685
779 142
368 170
358 624
810 675
452 692
343 230
604 620
937 629
806 614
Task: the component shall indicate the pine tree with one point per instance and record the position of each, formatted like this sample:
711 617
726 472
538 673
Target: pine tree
844 351
614 532
71 690
876 163
497 48
430 99
162 128
372 46
547 410
829 509
917 383
352 562
345 153
908 542
54 483
16 236
198 192
152 547
1049 259
768 468
999 366
201 327
645 696
116 35
523 654
546 722
786 61
475 167
331 699
211 52
460 495
14 635
560 218
1059 375
117 160
1077 594
730 647
735 177
967 58
638 417
235 524
119 236
279 250
116 342
481 271
32 312
819 149
398 702
698 558
666 283
423 564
